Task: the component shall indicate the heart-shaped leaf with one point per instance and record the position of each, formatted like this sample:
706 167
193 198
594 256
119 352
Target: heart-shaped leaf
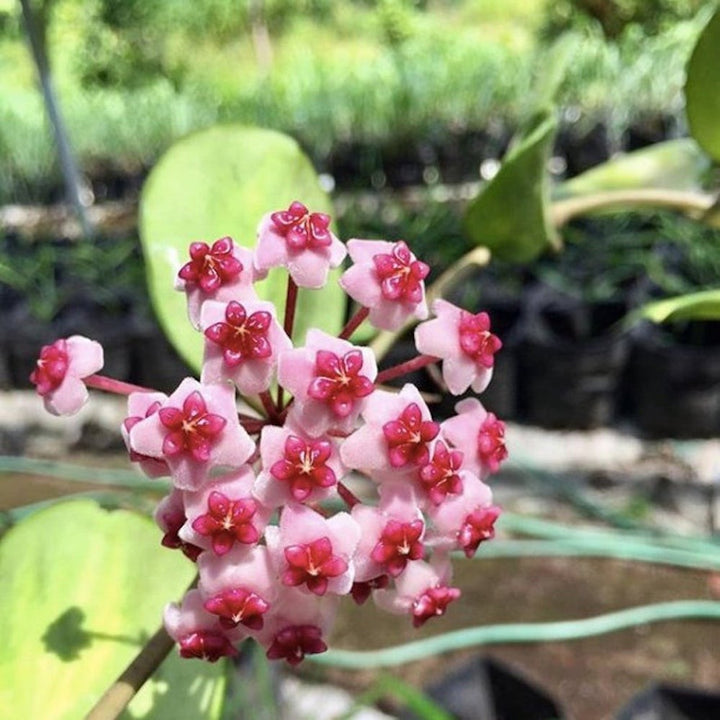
704 305
220 182
674 165
82 591
510 215
702 89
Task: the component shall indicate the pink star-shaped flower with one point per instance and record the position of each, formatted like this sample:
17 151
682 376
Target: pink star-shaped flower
297 625
313 552
391 534
197 632
398 435
196 431
223 272
465 344
225 513
239 587
464 520
59 372
142 405
300 241
388 279
440 477
242 344
479 435
329 379
296 467
422 591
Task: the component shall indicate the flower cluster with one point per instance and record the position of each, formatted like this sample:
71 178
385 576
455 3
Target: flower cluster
255 496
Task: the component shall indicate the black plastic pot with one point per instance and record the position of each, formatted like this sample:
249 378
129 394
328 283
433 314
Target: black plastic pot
571 361
668 702
674 379
487 689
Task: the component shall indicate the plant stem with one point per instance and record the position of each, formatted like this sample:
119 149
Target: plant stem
691 203
117 697
347 495
270 407
101 382
290 303
354 323
407 367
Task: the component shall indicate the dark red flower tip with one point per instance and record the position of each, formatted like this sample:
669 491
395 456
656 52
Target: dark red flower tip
476 340
478 527
242 337
312 564
173 521
294 642
491 443
302 229
304 466
193 429
399 543
206 645
361 590
408 437
338 381
51 367
433 603
236 606
211 267
400 276
227 522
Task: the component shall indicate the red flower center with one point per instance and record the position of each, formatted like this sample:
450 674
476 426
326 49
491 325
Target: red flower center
439 476
338 381
293 643
400 276
312 564
227 521
491 442
51 367
206 645
399 543
242 337
478 527
211 267
302 229
193 429
476 340
304 466
237 606
432 603
407 437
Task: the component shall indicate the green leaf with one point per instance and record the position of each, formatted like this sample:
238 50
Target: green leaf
83 589
220 182
704 305
510 215
702 89
674 165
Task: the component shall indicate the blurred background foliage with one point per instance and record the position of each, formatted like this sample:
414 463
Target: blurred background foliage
134 75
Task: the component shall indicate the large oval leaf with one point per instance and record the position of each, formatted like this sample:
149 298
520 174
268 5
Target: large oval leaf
674 164
510 215
82 590
704 305
220 182
702 89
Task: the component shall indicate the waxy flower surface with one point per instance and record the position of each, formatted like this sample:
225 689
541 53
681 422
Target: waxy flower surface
256 489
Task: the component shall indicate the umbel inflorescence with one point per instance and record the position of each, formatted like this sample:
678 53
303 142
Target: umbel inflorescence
254 495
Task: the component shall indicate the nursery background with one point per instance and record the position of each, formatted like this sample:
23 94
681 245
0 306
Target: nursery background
555 163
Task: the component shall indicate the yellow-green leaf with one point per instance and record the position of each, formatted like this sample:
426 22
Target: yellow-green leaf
82 590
